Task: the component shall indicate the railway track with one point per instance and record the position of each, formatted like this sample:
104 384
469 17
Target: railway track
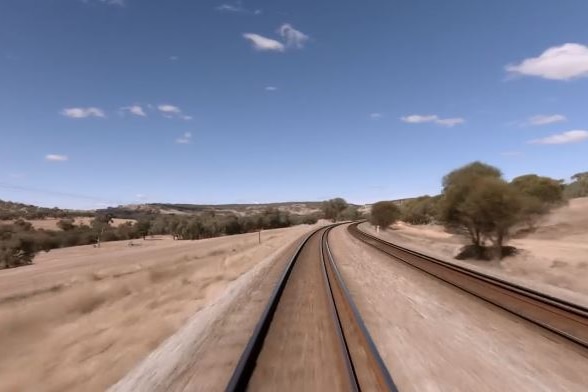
311 336
563 318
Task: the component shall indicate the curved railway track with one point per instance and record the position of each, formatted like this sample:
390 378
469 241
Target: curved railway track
564 318
311 335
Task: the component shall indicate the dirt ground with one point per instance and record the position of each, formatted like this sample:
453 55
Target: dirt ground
80 318
553 259
434 337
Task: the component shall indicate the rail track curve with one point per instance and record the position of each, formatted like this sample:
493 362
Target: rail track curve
566 319
311 310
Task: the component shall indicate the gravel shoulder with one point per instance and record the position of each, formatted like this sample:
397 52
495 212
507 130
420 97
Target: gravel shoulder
434 337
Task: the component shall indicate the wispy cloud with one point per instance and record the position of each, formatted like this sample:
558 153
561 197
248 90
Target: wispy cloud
574 136
185 139
376 116
174 58
237 8
56 158
293 38
270 88
82 112
264 44
565 62
542 119
120 3
172 111
141 196
432 118
136 110
169 109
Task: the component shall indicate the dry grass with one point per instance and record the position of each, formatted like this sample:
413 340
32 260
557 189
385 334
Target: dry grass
51 223
551 259
90 326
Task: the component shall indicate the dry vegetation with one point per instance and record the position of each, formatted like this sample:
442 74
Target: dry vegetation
51 223
81 317
554 257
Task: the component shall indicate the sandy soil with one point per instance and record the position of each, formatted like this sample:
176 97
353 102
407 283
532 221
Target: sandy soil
434 337
51 223
553 259
81 318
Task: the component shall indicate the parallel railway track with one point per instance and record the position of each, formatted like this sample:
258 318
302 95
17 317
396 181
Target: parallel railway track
311 335
563 318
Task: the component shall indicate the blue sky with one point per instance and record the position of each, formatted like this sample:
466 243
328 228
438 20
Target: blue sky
124 101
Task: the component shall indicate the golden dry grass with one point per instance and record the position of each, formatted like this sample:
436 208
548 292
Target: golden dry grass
88 332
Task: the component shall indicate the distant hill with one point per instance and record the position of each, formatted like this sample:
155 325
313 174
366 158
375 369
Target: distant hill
135 211
10 210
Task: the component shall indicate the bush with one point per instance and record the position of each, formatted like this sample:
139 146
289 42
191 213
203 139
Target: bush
384 213
333 208
578 187
420 211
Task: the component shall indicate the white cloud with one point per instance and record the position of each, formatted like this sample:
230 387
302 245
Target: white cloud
564 62
237 8
169 109
432 118
270 88
263 43
573 136
546 119
376 116
229 8
82 112
417 118
185 139
56 158
136 110
294 38
174 58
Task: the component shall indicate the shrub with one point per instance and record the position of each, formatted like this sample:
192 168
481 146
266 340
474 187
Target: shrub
384 213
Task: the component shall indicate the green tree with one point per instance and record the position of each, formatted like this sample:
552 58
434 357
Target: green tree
333 208
493 208
420 211
143 226
457 186
476 201
351 213
384 213
539 195
578 187
100 224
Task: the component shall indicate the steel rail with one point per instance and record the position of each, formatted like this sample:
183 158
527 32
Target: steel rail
335 289
561 317
246 365
377 365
